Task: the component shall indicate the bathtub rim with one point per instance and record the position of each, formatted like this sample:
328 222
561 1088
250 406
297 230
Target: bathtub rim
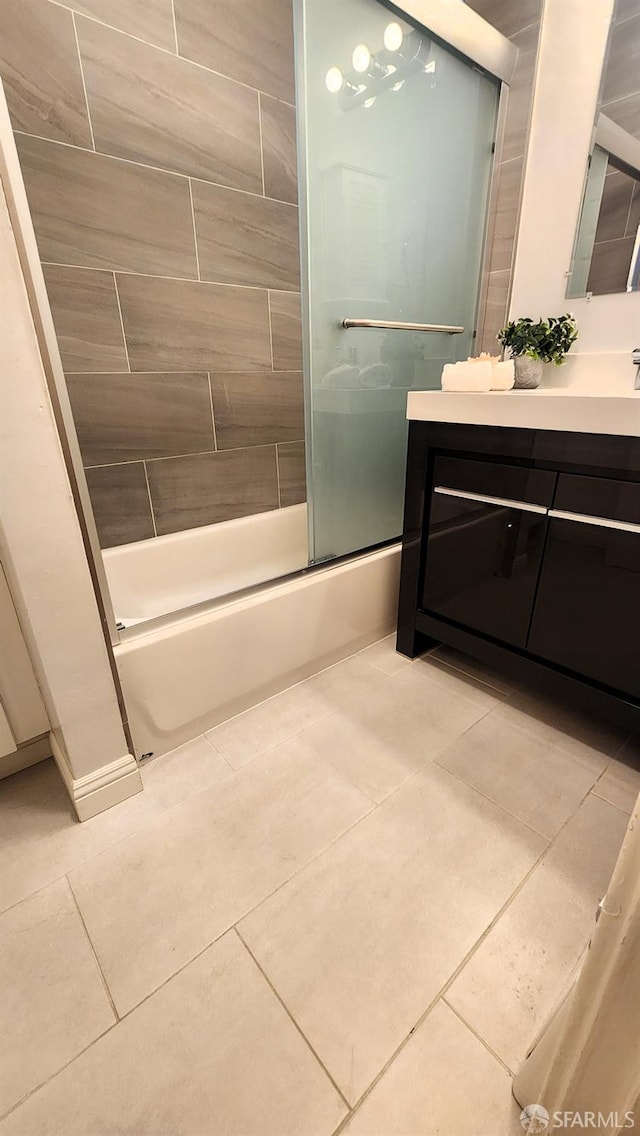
159 623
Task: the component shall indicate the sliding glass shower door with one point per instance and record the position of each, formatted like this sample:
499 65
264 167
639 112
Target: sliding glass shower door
397 136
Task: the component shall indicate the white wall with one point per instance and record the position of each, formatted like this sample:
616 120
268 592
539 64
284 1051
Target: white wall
45 562
19 690
572 47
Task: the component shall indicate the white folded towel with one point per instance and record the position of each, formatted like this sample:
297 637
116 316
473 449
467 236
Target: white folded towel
466 377
502 375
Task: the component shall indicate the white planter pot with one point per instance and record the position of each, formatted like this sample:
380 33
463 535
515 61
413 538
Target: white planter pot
528 372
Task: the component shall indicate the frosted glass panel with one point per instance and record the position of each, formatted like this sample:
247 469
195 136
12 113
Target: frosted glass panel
398 161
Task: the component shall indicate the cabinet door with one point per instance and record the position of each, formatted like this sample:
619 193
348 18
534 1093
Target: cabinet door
483 561
587 613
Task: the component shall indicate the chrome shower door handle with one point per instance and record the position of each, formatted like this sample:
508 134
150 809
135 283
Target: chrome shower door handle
394 325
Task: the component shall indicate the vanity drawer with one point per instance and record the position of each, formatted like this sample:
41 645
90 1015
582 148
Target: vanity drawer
599 497
495 479
487 526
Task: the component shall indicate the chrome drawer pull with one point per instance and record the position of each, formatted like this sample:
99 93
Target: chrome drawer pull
603 522
505 502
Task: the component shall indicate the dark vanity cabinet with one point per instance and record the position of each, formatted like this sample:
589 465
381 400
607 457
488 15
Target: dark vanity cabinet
516 553
587 611
487 526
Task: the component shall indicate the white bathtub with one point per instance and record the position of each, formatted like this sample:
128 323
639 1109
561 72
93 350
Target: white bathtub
198 668
151 578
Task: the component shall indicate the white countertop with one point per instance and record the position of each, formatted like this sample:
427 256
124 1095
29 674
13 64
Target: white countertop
543 409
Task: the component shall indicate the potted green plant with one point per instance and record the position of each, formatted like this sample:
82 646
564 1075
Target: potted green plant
531 345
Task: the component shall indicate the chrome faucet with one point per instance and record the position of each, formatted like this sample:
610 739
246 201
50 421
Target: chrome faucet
636 360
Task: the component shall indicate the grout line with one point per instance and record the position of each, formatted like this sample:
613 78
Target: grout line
270 327
168 51
146 477
614 240
213 417
52 1076
483 1042
634 189
489 800
180 279
195 235
291 1017
93 952
124 337
447 985
606 801
261 142
279 371
278 476
175 27
156 169
84 86
196 453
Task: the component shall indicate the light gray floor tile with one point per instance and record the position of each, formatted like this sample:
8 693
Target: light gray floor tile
52 999
432 669
527 775
212 1052
510 985
362 940
562 724
442 1083
245 737
620 782
186 878
42 839
384 656
380 742
499 679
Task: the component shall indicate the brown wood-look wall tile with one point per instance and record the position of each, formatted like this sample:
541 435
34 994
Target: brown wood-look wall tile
508 16
248 40
100 212
130 417
181 325
279 149
520 94
149 106
84 306
150 20
193 491
633 219
614 206
624 9
507 206
292 474
243 239
622 71
40 70
626 112
496 309
120 501
257 408
286 330
610 263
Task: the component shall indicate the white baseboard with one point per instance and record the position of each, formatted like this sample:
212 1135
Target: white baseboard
28 753
104 787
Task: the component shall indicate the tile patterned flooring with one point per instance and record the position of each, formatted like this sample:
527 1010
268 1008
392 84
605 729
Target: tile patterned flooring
348 909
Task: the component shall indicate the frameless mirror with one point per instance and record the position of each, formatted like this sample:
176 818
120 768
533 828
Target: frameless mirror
606 255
